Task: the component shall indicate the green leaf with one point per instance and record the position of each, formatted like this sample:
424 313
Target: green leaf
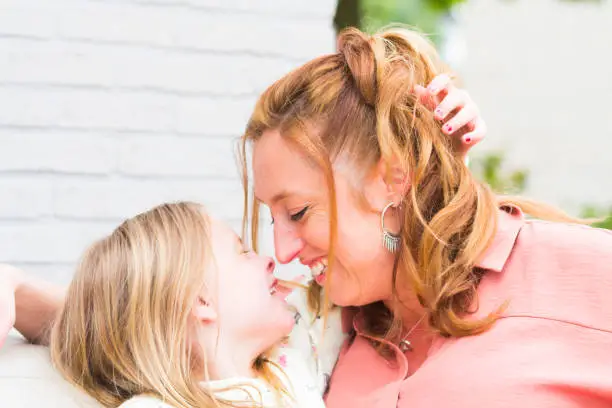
443 5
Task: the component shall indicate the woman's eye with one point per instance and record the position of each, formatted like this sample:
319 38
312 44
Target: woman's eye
299 215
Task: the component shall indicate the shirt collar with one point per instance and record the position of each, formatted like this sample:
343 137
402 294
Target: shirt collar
510 220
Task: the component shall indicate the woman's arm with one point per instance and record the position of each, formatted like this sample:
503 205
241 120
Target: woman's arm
29 304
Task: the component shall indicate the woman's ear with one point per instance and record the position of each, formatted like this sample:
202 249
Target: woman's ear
203 311
389 183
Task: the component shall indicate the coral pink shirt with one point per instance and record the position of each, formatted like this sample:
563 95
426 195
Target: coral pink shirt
552 347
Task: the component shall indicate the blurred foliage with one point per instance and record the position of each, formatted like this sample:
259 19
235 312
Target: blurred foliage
598 213
444 5
417 13
489 169
371 15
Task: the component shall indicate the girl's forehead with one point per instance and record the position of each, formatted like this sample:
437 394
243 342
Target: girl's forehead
221 231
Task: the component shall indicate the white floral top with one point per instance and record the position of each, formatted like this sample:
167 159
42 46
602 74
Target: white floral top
307 359
320 348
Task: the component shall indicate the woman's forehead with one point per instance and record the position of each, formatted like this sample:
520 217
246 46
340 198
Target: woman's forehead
280 170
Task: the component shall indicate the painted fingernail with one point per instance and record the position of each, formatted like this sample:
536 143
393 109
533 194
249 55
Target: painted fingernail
448 128
468 140
438 112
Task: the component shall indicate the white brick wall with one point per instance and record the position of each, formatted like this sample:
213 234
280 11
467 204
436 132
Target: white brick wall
108 107
541 73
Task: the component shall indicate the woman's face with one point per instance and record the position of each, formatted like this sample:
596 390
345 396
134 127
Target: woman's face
297 195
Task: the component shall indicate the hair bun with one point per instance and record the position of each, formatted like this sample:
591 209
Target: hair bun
356 48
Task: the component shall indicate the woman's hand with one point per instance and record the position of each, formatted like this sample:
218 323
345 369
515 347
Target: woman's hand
455 109
9 278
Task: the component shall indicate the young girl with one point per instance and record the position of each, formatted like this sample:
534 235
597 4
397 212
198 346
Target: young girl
171 310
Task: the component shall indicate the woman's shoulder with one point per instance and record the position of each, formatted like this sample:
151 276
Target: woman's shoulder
564 271
568 241
144 401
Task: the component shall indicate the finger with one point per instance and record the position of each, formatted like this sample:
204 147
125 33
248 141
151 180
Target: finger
475 136
463 118
425 97
456 99
439 83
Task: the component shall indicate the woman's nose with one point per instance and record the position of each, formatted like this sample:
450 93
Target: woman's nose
287 244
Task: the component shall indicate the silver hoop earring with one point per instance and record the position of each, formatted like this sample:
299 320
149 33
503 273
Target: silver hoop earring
390 240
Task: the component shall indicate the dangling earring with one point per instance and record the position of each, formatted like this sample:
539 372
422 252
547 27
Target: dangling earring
390 241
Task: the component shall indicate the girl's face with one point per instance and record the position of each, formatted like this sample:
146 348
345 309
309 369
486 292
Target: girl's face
244 298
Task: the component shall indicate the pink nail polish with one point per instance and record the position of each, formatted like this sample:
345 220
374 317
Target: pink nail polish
449 128
468 140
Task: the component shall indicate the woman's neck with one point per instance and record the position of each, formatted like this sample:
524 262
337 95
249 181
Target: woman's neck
415 329
407 308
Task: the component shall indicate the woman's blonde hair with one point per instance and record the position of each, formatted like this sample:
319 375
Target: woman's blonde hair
125 328
358 104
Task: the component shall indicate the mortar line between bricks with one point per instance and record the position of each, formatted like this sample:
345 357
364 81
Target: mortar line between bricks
41 263
57 220
116 220
183 49
42 86
171 49
53 221
219 10
112 132
10 36
120 175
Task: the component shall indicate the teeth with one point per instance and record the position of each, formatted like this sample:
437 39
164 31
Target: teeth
274 287
319 267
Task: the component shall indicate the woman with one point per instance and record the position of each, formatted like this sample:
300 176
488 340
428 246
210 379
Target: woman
450 295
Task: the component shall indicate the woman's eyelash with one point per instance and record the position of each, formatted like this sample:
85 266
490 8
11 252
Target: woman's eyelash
299 215
294 217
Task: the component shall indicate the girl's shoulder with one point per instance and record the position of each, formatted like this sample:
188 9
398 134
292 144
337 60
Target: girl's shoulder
144 401
318 339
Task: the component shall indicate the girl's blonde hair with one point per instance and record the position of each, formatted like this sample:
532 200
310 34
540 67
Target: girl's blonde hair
125 328
359 105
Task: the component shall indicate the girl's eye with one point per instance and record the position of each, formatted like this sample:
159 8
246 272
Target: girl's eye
299 215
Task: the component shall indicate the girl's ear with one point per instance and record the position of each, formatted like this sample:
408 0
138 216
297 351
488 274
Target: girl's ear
203 311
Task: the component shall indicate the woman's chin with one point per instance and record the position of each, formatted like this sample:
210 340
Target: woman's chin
344 298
